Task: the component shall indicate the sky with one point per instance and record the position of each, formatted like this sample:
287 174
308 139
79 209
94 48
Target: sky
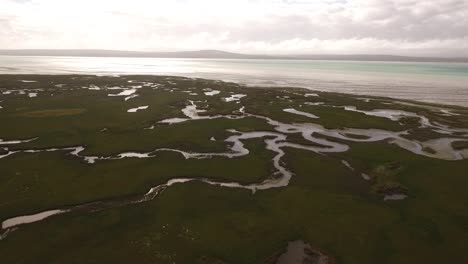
398 27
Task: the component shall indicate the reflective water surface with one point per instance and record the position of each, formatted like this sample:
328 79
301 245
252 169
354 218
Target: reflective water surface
445 83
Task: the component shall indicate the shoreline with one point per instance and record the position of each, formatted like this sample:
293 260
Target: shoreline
300 88
435 83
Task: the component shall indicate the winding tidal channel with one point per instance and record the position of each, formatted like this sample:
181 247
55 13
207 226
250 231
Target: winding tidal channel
276 142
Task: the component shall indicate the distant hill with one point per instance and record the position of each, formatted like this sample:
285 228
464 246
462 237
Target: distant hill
121 53
213 54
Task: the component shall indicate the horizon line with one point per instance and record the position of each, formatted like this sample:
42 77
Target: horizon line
214 53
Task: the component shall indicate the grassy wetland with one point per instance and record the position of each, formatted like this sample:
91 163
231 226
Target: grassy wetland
160 169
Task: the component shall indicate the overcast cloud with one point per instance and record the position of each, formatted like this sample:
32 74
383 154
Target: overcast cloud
405 27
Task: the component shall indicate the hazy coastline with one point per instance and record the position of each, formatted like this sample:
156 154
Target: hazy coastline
219 54
443 83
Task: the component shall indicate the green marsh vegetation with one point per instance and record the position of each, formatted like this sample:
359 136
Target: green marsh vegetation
326 204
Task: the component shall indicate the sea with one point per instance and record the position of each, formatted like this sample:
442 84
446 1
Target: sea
444 83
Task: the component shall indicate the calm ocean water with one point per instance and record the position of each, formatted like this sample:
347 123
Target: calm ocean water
445 83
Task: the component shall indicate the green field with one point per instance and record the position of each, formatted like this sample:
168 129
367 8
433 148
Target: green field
367 186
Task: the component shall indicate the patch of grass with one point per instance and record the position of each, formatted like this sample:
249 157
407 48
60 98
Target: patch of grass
429 150
459 145
299 139
53 113
422 134
356 136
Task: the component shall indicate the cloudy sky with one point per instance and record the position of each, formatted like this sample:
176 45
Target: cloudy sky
405 27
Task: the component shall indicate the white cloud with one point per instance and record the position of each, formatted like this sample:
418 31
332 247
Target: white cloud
437 27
